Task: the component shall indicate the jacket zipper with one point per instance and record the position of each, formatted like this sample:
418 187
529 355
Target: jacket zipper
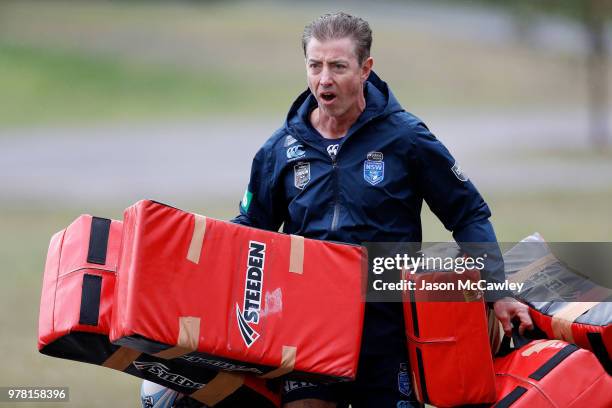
334 223
336 214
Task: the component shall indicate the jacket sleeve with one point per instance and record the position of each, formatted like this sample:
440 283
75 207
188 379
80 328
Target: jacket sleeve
457 203
261 206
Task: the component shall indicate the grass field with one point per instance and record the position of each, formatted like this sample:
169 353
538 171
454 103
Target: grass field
49 86
66 61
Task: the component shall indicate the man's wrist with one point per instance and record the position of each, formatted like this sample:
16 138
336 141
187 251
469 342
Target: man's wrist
493 296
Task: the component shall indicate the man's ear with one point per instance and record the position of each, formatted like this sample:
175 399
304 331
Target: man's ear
366 68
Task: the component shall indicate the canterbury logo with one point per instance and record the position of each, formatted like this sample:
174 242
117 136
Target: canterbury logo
251 309
332 150
295 151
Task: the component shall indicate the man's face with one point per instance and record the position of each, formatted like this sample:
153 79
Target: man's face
335 77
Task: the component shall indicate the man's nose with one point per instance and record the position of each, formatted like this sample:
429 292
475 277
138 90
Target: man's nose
326 77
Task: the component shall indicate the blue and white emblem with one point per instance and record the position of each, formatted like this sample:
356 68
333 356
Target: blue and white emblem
374 168
295 152
301 175
332 150
458 172
403 380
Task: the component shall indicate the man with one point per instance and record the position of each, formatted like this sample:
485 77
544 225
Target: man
351 165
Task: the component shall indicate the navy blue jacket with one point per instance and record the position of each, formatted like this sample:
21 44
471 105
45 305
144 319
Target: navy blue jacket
338 202
372 190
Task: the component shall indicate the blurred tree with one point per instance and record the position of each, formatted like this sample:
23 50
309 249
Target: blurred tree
593 15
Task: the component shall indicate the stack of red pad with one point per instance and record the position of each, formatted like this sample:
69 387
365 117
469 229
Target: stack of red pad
217 294
452 362
551 373
75 314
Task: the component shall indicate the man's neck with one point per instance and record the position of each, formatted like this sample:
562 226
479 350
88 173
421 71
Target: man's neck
335 127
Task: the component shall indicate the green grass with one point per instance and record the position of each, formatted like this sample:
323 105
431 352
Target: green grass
96 61
558 216
42 86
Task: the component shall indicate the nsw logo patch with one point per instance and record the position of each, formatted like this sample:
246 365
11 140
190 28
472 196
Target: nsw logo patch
301 175
374 168
403 380
456 169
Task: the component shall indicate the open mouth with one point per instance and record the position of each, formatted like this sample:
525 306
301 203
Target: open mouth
328 96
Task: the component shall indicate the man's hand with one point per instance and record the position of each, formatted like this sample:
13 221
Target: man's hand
507 309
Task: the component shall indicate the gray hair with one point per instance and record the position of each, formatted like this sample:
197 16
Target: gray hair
340 25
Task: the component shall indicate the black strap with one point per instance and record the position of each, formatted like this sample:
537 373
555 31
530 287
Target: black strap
599 348
413 311
553 362
422 375
519 340
98 240
511 397
90 300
